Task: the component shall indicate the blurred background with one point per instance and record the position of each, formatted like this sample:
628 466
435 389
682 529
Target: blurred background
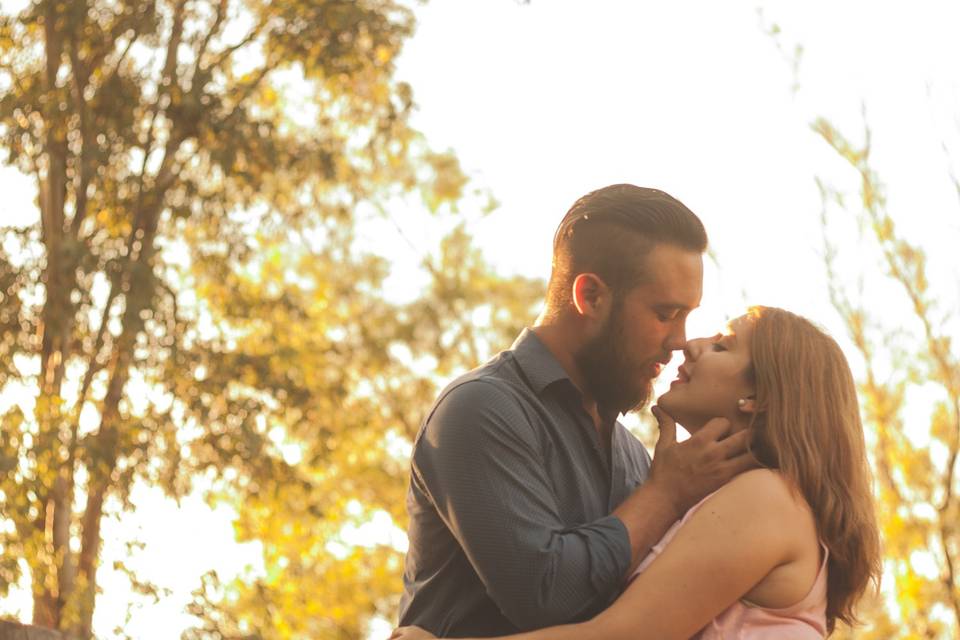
243 242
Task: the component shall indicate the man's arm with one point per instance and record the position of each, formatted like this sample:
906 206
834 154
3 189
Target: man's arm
481 463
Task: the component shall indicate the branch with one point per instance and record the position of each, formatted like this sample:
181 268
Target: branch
954 448
108 77
79 85
15 75
954 178
211 34
166 81
948 155
52 187
147 150
107 436
949 579
92 366
250 87
850 313
162 284
229 51
903 262
53 44
176 36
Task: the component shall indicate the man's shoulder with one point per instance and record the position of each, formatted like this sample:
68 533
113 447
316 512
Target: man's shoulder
496 378
492 393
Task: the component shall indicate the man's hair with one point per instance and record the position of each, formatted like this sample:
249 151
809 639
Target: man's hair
610 231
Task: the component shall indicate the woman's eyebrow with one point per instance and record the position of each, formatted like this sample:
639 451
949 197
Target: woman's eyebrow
730 336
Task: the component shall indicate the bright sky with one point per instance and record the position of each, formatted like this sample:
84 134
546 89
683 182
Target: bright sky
547 101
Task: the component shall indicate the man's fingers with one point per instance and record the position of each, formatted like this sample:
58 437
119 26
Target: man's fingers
411 633
668 428
714 429
735 444
741 463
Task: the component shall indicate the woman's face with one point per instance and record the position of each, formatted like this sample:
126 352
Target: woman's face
712 378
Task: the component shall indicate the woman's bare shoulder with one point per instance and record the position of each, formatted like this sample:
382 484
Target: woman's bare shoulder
765 495
762 483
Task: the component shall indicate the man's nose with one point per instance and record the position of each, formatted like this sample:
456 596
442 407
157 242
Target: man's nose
677 339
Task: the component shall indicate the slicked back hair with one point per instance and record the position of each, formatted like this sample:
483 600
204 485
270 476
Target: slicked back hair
610 231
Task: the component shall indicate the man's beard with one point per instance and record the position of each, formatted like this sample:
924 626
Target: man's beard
607 373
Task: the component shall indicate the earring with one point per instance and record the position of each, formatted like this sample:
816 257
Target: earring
742 402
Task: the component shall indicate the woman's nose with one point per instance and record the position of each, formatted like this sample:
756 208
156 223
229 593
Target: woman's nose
695 347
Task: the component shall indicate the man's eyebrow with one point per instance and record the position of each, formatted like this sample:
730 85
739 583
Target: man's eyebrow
670 306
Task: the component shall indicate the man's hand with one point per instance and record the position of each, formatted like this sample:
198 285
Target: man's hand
410 633
682 474
686 472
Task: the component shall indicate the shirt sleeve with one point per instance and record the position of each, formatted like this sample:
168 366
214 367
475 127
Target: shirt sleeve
479 461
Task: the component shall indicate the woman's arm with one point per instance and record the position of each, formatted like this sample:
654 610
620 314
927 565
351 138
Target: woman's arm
749 527
562 632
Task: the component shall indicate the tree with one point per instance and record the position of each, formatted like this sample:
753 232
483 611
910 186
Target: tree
194 301
901 355
319 583
917 483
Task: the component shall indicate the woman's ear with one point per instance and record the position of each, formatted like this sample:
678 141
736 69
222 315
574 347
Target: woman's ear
590 294
747 405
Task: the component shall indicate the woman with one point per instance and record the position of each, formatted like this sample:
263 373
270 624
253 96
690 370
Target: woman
783 551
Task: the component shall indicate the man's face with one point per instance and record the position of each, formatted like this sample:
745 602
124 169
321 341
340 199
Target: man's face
644 326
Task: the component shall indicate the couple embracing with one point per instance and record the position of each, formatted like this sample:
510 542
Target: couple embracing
535 514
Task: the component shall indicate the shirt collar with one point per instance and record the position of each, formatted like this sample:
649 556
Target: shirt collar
537 362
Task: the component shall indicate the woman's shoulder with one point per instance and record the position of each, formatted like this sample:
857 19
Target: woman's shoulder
783 521
768 484
763 495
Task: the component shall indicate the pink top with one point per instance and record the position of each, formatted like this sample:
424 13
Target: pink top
805 620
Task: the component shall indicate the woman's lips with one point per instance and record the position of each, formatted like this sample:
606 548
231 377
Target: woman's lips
682 377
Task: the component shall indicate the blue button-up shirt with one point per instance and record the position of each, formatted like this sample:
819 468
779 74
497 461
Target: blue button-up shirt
510 497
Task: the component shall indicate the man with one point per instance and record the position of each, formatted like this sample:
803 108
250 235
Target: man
529 502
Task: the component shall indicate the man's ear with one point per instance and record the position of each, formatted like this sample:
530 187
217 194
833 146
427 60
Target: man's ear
589 294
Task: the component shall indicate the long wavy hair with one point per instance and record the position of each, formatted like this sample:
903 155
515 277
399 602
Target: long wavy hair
808 427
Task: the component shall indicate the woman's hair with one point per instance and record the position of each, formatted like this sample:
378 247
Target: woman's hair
808 427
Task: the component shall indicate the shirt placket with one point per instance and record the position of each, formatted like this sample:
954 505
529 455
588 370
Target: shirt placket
618 475
583 419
